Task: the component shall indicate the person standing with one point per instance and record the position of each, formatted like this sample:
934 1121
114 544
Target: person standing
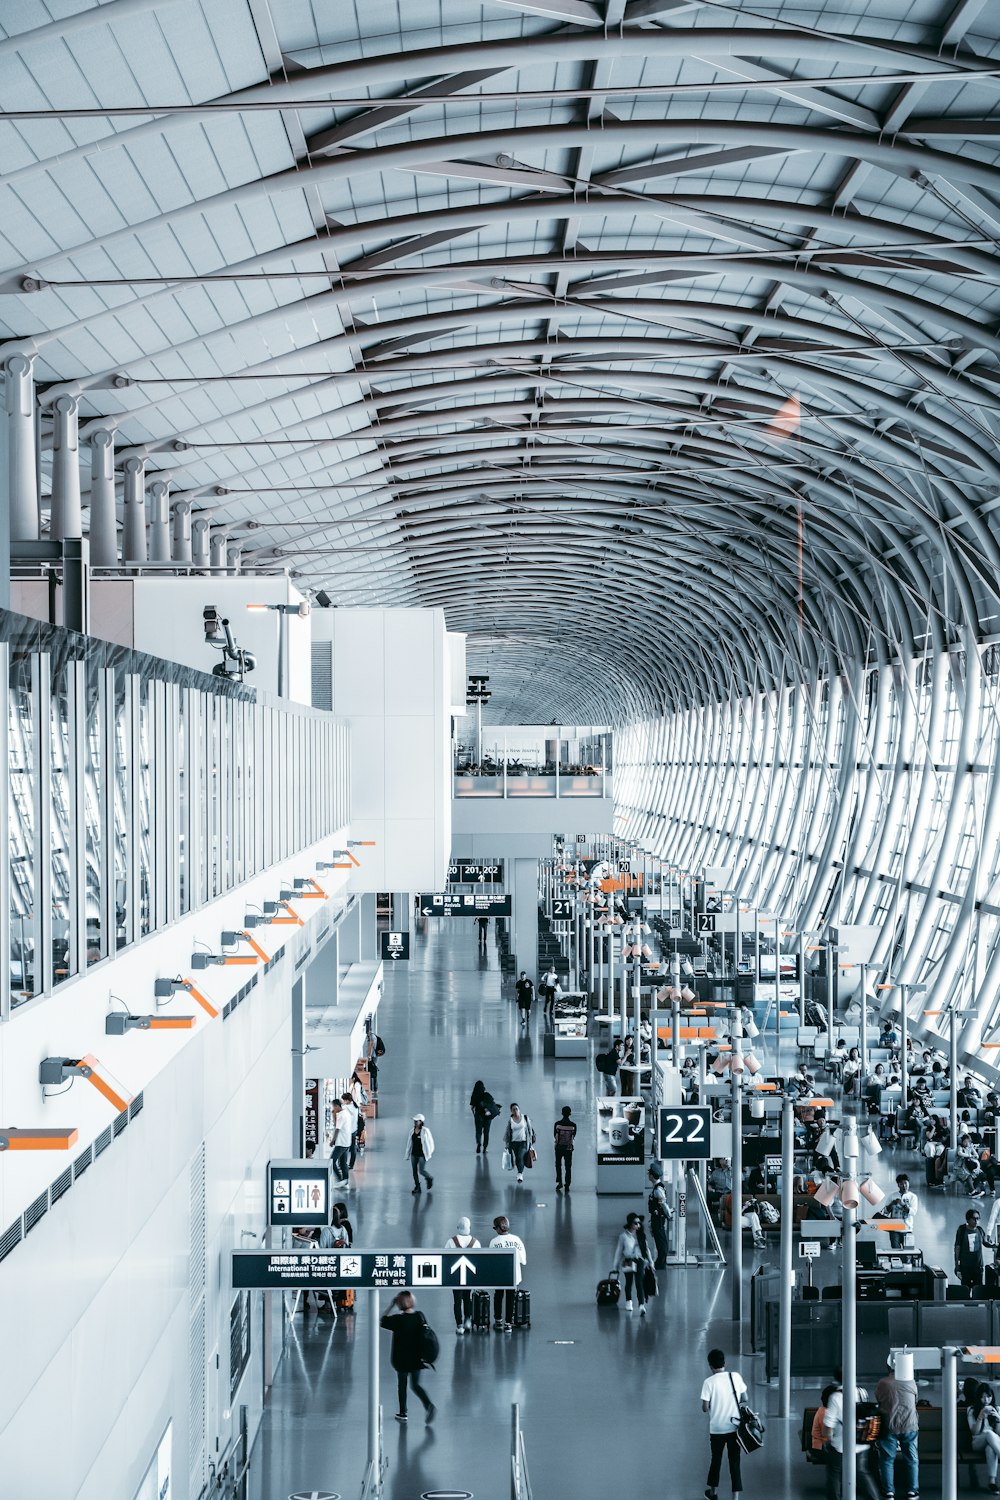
376 1049
519 1137
564 1134
406 1326
833 1427
721 1396
420 1149
353 1113
503 1239
904 1205
632 1256
525 992
897 1404
484 1111
611 1063
970 1241
659 1214
483 923
462 1239
343 1135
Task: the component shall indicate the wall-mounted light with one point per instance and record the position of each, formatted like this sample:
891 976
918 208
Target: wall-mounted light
291 919
361 843
118 1022
302 884
202 958
231 939
61 1138
56 1070
166 989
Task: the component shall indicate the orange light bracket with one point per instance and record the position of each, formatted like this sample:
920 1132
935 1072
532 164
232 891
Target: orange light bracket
56 1070
232 939
292 919
166 989
59 1139
301 884
118 1022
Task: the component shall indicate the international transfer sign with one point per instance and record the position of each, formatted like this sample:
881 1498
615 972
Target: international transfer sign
453 904
371 1270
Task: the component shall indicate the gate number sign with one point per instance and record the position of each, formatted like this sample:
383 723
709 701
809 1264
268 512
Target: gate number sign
561 910
686 1132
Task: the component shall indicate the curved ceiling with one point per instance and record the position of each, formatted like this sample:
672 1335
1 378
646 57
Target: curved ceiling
655 340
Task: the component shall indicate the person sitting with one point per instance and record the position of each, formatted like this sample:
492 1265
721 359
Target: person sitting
969 1096
817 1449
968 1168
888 1037
852 1070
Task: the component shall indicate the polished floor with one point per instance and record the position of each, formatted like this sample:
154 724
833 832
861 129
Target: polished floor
609 1402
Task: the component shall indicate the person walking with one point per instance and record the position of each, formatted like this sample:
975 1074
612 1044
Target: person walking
721 1396
483 923
462 1239
833 1426
484 1111
420 1149
659 1214
608 1065
563 1135
547 986
525 992
376 1050
360 1096
503 1239
632 1256
897 1404
519 1137
343 1135
970 1242
406 1326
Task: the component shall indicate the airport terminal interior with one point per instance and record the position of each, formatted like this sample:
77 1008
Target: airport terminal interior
500 634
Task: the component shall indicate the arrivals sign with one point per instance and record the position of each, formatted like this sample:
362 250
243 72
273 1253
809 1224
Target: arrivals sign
476 872
298 1192
372 1270
453 904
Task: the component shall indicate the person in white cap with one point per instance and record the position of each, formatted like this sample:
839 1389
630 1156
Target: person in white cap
420 1149
463 1239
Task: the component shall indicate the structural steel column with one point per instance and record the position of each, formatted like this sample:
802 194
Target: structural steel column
103 523
19 398
65 518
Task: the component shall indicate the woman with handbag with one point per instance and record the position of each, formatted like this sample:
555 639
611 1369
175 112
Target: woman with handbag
519 1137
632 1256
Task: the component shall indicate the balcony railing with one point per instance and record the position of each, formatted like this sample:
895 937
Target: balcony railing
140 790
506 783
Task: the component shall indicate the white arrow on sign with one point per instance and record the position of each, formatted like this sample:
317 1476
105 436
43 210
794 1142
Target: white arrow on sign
462 1265
428 911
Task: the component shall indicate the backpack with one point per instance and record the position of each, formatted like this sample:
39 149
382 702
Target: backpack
604 1062
379 1047
564 1134
430 1346
364 1094
766 1212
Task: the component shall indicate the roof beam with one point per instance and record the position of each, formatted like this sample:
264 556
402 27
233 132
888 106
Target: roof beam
578 12
959 21
823 102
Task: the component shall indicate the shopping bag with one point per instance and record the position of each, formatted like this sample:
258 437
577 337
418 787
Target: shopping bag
507 1162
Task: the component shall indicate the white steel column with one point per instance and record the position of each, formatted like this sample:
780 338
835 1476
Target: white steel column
103 523
134 512
201 555
181 512
19 398
65 518
159 521
218 551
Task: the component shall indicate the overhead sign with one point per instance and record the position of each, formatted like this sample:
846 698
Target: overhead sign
394 945
685 1132
706 923
476 872
290 1270
562 911
453 904
298 1192
581 838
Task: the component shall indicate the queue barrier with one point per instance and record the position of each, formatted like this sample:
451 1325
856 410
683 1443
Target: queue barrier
816 1336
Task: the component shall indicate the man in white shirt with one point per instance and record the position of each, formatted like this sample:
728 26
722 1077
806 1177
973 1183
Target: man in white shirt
343 1135
906 1200
833 1428
721 1396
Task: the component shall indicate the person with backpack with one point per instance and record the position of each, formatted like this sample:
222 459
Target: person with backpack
659 1214
360 1096
722 1395
564 1134
518 1138
484 1111
410 1351
608 1064
420 1148
503 1239
376 1049
833 1428
632 1256
547 986
525 992
462 1239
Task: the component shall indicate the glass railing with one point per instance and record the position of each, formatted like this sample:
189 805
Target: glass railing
503 782
139 790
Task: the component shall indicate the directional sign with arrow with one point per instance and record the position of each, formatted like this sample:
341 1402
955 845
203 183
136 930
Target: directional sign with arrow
465 1267
452 904
291 1270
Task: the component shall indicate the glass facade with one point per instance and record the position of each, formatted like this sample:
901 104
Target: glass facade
139 790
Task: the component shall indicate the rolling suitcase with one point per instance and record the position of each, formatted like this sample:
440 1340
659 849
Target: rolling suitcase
481 1312
522 1308
608 1292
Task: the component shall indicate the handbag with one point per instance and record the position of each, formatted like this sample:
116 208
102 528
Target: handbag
506 1161
529 1157
749 1427
649 1281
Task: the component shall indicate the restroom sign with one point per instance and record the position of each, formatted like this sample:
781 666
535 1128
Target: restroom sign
394 945
298 1192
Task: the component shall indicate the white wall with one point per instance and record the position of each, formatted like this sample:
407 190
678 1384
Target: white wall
391 682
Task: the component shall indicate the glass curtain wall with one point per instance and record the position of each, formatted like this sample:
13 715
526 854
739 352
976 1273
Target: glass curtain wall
139 790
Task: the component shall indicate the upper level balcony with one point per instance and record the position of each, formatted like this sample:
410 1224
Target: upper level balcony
526 761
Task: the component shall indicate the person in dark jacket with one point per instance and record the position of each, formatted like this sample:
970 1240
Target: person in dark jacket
525 992
484 1112
563 1135
406 1325
970 1242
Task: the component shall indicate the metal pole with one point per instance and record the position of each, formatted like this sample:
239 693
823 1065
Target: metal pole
777 996
282 651
103 525
802 979
19 403
785 1290
829 995
849 1317
863 1075
736 1096
953 1069
159 521
949 1422
903 1079
374 1443
675 1031
134 511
